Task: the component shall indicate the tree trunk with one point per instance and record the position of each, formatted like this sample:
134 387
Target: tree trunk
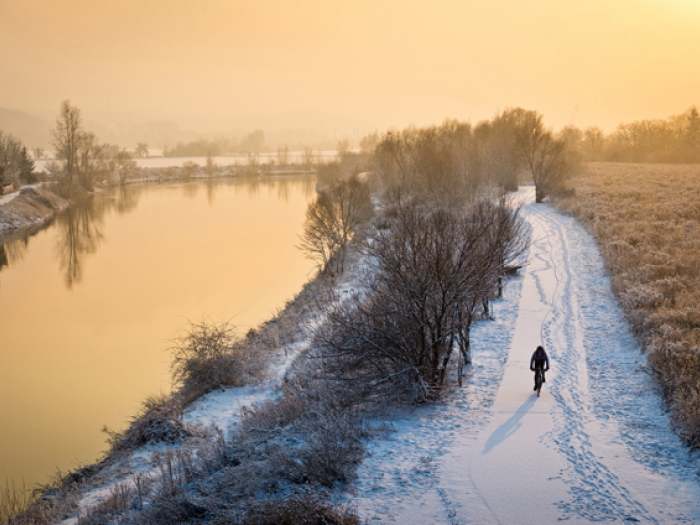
540 193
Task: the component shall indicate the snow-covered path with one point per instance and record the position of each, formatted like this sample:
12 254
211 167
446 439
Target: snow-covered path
595 447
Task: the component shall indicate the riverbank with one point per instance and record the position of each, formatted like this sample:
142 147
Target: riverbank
207 422
29 207
68 302
34 205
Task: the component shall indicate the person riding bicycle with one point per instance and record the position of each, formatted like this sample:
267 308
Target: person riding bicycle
539 360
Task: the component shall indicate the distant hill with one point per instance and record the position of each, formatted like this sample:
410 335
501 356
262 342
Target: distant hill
295 129
33 131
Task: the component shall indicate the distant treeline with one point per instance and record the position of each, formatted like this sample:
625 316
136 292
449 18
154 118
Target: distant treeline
676 139
253 142
450 161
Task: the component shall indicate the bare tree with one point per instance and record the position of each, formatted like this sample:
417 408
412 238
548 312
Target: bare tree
67 136
141 150
122 165
432 267
283 156
38 153
592 142
342 149
545 156
333 220
501 158
308 158
211 167
436 163
92 159
10 153
189 168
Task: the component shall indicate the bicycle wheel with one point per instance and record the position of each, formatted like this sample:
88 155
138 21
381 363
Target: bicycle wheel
538 381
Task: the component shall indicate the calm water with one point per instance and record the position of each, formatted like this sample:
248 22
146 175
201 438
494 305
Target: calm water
89 306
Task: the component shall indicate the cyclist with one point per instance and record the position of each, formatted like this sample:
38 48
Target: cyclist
539 360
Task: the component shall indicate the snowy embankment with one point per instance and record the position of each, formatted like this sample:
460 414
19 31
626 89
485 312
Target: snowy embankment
30 206
596 446
219 412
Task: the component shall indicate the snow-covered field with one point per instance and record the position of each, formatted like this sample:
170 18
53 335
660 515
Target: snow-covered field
596 446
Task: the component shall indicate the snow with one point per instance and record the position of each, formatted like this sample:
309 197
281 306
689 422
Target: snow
597 446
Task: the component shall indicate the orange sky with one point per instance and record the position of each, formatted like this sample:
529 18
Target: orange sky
380 62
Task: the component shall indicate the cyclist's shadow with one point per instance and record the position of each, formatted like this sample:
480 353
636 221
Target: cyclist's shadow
508 428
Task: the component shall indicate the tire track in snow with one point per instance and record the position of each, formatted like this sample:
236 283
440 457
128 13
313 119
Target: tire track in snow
597 493
579 454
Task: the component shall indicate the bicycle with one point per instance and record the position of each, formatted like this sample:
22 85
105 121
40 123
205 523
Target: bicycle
538 380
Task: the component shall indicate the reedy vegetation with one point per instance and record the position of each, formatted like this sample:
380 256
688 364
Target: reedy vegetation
646 219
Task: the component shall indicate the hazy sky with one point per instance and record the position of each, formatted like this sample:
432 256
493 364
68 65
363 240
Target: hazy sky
381 62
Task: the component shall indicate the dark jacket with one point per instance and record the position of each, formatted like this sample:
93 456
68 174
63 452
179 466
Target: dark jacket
541 361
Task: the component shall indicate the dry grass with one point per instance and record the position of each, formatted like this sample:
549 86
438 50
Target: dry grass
646 219
14 500
160 421
42 506
307 508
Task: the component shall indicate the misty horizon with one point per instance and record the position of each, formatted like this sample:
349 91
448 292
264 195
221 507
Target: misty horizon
344 69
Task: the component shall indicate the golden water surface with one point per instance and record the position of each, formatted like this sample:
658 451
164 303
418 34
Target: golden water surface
89 306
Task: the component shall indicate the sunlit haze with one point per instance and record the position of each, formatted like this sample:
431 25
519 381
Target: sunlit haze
362 65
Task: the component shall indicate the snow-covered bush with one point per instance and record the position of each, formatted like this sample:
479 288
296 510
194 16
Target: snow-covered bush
210 356
160 421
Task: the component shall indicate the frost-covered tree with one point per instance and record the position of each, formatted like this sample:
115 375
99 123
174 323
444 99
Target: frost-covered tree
333 220
432 268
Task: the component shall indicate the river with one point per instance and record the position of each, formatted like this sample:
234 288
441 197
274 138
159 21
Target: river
90 305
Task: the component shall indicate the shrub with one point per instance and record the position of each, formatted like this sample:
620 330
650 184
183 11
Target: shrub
160 421
297 509
120 499
211 356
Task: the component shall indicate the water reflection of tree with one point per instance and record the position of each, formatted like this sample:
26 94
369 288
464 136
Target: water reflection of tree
253 185
212 184
308 184
80 229
283 190
128 199
79 234
190 189
13 251
4 261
